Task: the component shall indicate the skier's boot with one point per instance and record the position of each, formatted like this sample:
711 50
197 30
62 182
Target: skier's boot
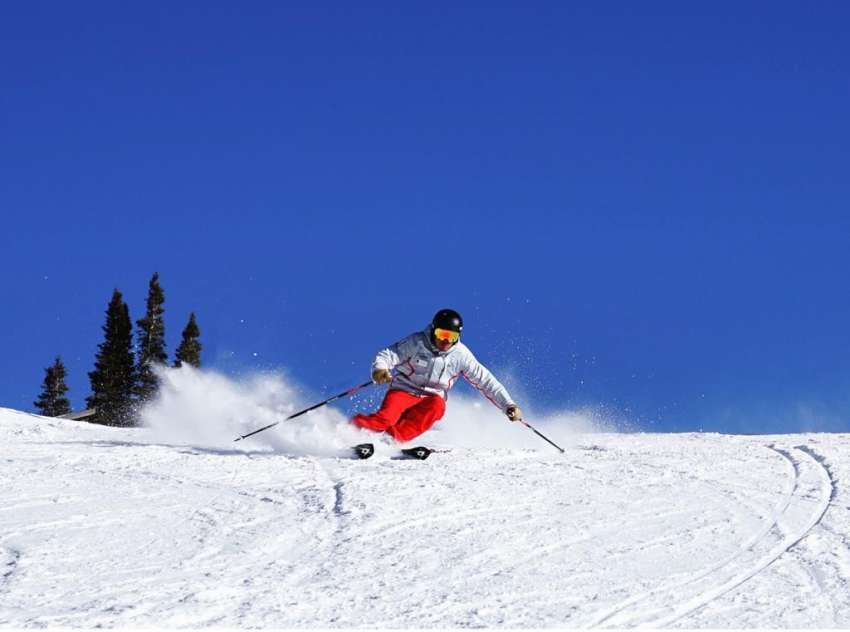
419 452
364 450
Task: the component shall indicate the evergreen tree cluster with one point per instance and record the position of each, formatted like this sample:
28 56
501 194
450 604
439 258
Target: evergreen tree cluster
151 348
52 401
124 379
114 375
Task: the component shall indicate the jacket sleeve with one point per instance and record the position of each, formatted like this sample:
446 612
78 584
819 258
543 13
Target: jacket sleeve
478 375
392 356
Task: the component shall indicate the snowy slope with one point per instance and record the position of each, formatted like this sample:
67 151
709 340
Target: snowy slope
102 526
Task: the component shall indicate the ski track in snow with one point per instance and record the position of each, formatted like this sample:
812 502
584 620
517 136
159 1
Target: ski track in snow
648 609
98 527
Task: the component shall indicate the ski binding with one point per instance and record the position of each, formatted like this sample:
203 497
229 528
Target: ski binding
419 452
364 450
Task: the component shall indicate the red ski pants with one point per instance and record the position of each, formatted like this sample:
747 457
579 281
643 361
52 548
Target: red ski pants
404 415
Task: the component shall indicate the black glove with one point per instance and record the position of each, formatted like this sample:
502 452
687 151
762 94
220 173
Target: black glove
514 413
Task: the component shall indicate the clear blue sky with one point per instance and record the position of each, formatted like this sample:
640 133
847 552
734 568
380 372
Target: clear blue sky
641 207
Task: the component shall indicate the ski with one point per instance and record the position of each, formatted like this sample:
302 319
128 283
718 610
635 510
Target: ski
367 450
419 452
364 450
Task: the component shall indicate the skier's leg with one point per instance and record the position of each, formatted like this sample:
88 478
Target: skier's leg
395 403
419 418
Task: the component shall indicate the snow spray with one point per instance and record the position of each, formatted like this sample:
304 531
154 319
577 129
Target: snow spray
206 409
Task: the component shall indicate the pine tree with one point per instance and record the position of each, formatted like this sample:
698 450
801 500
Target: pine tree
151 347
189 350
52 401
112 380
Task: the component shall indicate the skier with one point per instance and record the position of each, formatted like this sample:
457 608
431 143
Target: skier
427 364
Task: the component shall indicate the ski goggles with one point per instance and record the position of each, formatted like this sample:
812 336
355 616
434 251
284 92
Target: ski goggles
447 335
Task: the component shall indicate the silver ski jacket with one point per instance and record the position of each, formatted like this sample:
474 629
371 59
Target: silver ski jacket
422 369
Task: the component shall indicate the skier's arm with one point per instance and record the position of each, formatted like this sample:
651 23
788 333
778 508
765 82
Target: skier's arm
389 358
384 363
478 375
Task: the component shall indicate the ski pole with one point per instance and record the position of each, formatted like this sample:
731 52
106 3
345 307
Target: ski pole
540 434
350 391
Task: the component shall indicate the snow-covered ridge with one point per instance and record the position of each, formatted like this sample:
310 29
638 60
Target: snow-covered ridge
105 526
27 426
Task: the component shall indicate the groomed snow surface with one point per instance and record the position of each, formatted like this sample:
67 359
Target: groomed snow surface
176 525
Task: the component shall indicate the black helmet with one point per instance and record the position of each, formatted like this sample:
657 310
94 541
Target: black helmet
447 319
